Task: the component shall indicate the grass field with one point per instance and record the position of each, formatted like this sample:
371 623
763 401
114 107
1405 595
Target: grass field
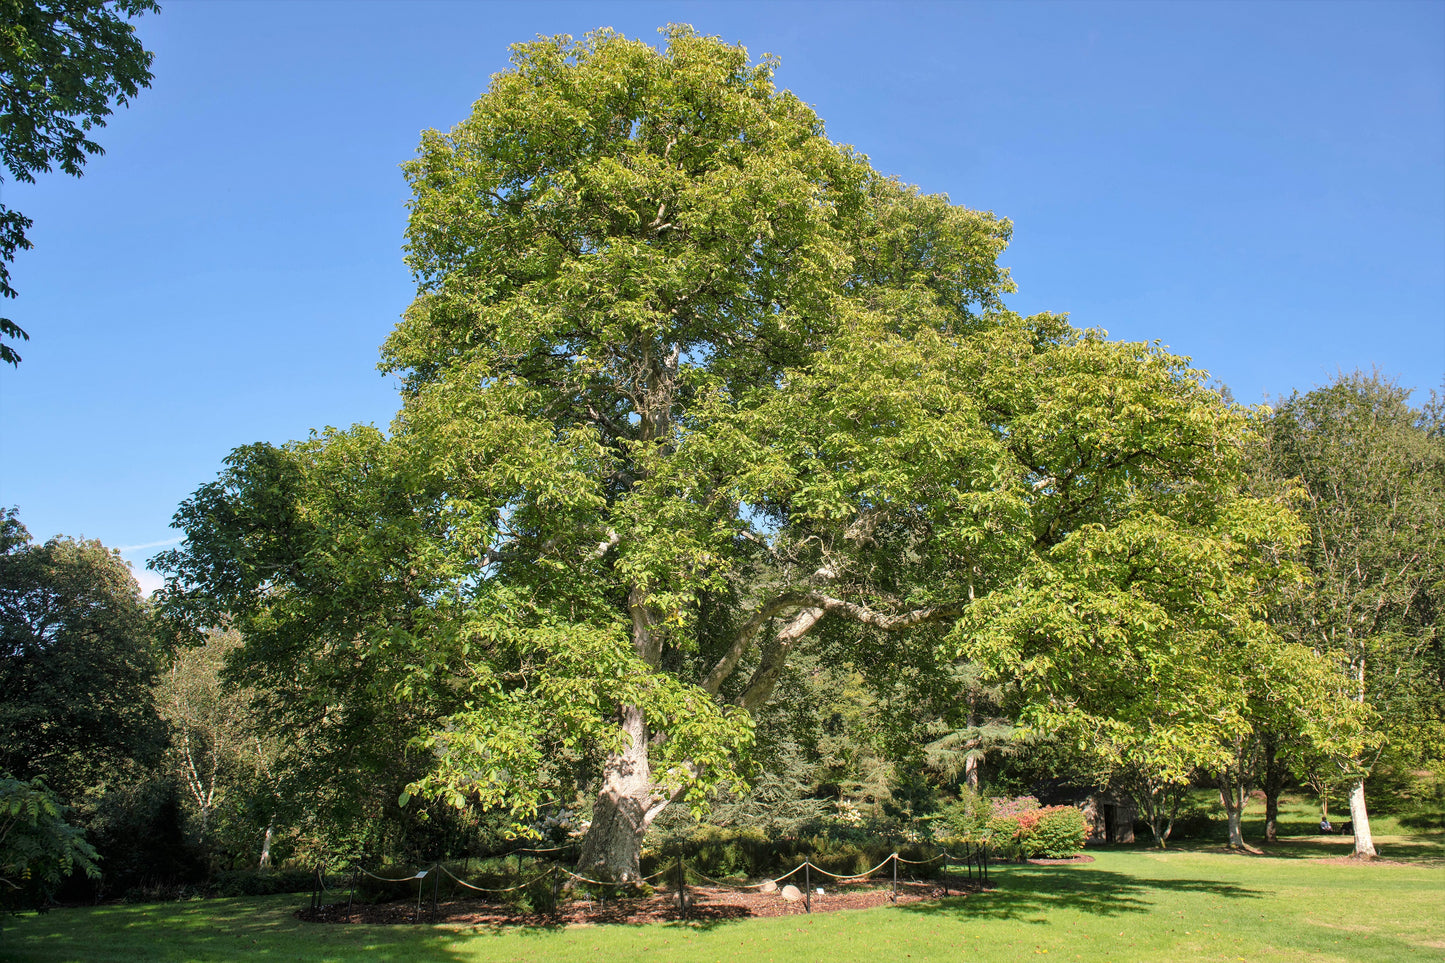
1130 904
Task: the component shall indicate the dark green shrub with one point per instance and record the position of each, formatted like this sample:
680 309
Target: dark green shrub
965 819
1057 832
1192 822
250 882
721 853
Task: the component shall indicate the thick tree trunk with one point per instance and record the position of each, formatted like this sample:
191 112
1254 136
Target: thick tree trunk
625 807
1360 822
970 772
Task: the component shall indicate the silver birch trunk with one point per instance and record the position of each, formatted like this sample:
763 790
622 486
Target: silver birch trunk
1360 822
266 846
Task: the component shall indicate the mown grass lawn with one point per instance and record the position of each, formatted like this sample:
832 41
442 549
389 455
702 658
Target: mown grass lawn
1135 904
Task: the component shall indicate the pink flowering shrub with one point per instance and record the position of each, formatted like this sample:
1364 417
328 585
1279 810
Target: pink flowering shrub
1051 832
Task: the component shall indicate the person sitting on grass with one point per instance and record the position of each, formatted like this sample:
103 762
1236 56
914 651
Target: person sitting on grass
1325 826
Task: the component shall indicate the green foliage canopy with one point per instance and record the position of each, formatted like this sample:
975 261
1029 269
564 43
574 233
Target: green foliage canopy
63 64
39 847
686 387
77 658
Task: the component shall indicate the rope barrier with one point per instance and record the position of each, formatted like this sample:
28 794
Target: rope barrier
595 882
863 875
658 873
919 862
556 871
385 879
509 889
779 879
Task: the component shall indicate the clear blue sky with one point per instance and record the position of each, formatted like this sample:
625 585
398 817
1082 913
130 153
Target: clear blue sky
1259 186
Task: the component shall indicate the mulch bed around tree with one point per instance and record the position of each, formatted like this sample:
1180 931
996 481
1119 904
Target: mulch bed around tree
709 903
1081 858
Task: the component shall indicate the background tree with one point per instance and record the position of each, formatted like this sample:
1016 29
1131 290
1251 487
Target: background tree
219 752
63 64
77 659
1372 473
1286 688
976 727
1154 761
39 847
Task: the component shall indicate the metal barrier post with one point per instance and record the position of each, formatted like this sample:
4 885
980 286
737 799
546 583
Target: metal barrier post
943 864
355 879
682 885
808 883
895 878
435 890
556 890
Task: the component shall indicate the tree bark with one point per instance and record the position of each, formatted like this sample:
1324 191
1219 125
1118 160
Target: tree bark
1360 822
1236 835
266 846
625 808
1233 796
629 800
1273 785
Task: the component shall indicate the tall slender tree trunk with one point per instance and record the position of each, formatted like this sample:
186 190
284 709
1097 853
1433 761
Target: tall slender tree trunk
1234 814
970 761
1359 813
1360 822
1233 795
266 845
1273 785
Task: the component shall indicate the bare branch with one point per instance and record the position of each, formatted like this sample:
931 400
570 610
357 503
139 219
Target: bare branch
880 620
775 657
606 546
744 639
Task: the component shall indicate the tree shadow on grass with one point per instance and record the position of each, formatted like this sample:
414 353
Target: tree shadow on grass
1029 894
249 928
1422 850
